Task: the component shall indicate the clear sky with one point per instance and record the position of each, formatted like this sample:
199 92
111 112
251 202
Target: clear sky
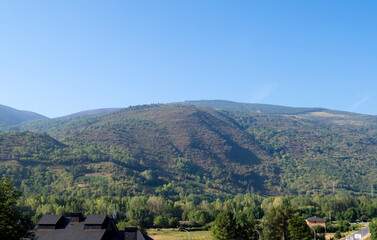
61 57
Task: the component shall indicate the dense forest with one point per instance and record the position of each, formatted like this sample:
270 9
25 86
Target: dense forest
240 217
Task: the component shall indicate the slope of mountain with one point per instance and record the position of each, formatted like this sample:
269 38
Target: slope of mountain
11 116
254 107
92 112
207 141
27 146
183 149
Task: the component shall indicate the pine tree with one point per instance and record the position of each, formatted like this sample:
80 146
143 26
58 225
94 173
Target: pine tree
225 226
284 222
298 229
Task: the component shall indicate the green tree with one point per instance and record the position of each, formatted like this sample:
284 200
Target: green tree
298 229
275 222
225 226
173 222
373 229
351 214
245 227
142 216
337 235
161 222
13 223
283 221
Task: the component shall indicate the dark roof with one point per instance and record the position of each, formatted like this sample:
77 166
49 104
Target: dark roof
132 235
146 237
72 231
104 229
99 228
315 219
95 219
50 219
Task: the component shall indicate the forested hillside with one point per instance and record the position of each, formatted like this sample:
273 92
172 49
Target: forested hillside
182 150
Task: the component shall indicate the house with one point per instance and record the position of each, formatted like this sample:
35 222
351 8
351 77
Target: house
315 221
75 226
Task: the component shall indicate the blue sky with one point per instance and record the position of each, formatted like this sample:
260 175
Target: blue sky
61 57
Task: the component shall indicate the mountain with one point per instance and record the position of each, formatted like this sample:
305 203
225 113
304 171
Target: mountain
185 149
270 109
10 116
254 107
92 112
168 139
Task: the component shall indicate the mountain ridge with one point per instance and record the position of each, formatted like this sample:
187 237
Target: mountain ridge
91 112
263 108
216 104
10 116
218 151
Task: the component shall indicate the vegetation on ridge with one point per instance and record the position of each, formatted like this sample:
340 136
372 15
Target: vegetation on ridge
211 152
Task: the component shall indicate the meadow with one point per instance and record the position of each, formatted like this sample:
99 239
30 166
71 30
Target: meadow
174 234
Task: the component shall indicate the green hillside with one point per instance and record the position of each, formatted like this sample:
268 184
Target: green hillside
200 148
180 150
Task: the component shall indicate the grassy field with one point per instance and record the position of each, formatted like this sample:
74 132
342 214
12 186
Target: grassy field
173 234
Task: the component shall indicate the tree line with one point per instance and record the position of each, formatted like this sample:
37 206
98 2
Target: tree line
245 216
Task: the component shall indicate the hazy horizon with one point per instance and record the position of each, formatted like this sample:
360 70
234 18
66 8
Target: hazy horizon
60 58
192 100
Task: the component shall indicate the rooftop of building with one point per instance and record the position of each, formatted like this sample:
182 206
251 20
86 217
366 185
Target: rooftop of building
75 226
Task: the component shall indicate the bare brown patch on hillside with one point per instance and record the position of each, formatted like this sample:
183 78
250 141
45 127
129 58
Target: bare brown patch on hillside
97 174
326 114
10 162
